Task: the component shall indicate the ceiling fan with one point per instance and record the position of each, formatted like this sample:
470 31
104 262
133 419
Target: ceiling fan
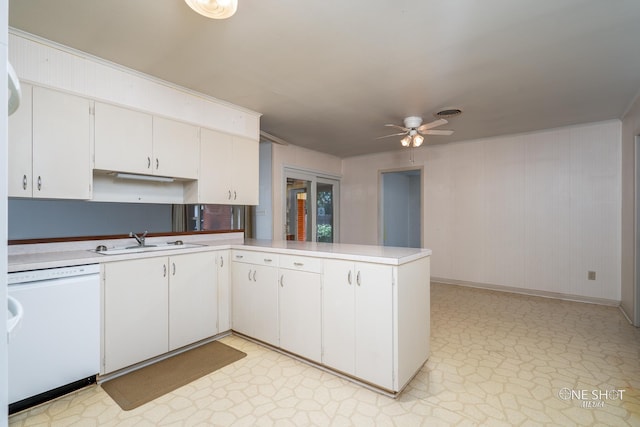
413 131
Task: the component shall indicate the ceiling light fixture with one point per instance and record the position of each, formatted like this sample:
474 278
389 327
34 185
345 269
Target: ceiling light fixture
216 9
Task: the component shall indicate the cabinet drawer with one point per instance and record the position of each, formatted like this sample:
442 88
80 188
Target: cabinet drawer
293 262
258 258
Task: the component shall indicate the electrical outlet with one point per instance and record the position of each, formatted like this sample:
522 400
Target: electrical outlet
591 275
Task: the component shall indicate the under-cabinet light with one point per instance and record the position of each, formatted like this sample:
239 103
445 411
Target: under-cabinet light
143 177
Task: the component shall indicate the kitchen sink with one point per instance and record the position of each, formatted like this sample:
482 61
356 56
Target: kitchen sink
120 250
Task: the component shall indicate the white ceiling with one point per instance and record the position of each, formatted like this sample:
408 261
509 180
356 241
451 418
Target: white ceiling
329 74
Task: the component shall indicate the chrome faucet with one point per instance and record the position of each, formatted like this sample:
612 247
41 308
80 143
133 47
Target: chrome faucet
139 239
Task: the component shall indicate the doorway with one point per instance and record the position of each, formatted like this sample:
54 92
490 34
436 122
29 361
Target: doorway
401 208
311 207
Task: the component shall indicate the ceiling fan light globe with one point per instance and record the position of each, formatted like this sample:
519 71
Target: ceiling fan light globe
405 141
215 9
418 140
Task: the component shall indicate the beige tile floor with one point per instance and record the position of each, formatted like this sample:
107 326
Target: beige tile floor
497 359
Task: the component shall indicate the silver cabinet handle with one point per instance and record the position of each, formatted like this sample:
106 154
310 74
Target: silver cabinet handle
268 260
249 275
239 256
164 270
235 195
221 261
282 281
229 195
24 182
157 163
358 279
349 277
39 183
173 264
254 275
298 264
148 162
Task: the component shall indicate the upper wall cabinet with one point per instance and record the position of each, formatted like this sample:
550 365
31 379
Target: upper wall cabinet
176 148
123 139
50 146
228 170
136 142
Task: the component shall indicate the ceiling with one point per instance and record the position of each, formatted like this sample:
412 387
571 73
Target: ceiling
328 75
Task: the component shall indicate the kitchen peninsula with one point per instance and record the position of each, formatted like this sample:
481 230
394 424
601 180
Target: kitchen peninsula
359 311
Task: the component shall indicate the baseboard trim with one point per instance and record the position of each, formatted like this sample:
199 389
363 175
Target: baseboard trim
530 292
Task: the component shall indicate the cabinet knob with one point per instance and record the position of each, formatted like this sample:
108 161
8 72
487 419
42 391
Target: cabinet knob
164 270
148 162
229 195
24 182
221 261
235 195
254 275
358 279
249 275
157 163
349 277
282 281
173 265
39 183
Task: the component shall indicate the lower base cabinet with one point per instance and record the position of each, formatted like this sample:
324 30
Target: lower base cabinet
358 320
193 298
155 305
255 301
299 303
136 316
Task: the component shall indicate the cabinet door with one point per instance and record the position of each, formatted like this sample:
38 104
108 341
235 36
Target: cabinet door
338 315
265 304
242 298
176 149
245 171
214 183
135 311
61 145
300 314
122 139
224 291
374 324
193 298
19 178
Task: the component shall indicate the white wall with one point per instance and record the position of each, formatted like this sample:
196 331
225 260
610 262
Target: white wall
300 158
533 211
630 129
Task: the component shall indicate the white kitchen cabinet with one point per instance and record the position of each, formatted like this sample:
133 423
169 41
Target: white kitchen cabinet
176 148
20 163
255 296
155 305
123 139
299 302
228 170
224 291
136 316
135 142
193 298
50 146
358 320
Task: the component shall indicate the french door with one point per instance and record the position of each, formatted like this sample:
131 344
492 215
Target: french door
311 207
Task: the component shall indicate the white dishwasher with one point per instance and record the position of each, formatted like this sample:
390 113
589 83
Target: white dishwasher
56 349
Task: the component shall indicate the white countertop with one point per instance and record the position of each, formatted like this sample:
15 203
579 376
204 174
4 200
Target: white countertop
52 255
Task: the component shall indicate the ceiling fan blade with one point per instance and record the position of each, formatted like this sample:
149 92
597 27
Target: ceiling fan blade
433 124
438 132
398 127
394 134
